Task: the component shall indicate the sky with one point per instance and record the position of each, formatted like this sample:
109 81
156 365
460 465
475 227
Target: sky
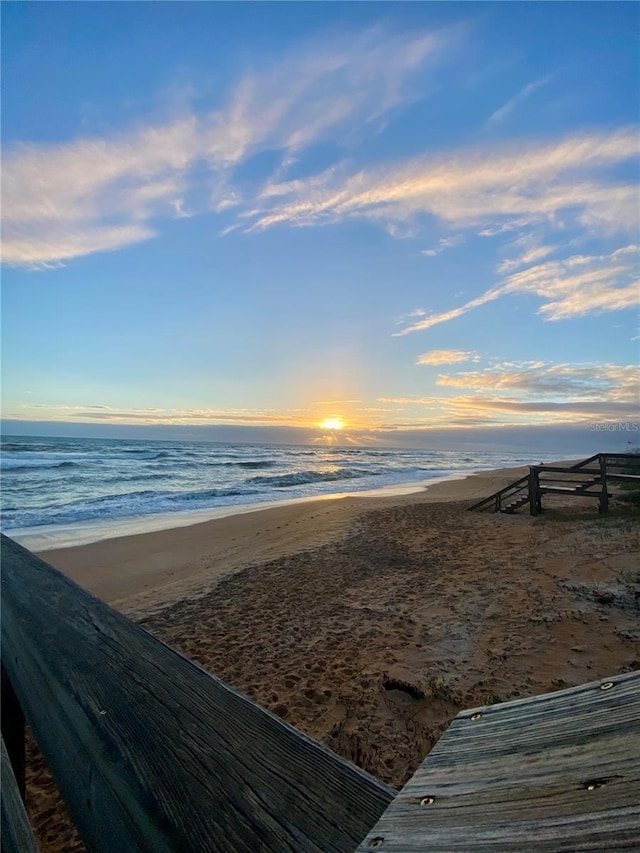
333 222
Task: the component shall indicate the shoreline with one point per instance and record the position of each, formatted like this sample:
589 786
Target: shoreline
75 534
55 536
146 571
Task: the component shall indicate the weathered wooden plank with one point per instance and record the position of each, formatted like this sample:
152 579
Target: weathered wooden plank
630 478
604 494
152 753
565 469
591 472
12 725
584 462
575 480
534 492
571 490
559 772
17 836
626 456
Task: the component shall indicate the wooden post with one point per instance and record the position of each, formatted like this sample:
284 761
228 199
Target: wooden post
13 730
15 831
534 491
604 495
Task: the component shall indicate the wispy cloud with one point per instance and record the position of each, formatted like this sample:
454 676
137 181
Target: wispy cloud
530 183
572 287
355 413
63 201
336 402
488 409
512 103
446 356
601 382
443 244
529 252
533 392
157 415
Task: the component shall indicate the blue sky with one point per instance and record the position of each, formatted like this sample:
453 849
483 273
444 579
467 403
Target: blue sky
392 218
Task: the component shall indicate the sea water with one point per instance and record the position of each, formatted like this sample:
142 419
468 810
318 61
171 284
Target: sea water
53 485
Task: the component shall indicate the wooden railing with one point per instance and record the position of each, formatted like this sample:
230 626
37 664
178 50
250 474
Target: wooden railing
587 478
496 501
149 751
154 755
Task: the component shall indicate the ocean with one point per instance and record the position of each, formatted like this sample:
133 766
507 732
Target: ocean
59 491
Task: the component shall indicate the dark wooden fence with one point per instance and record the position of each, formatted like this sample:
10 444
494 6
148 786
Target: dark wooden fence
589 478
152 753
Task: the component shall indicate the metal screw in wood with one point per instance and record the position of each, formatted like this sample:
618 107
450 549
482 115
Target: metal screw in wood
594 784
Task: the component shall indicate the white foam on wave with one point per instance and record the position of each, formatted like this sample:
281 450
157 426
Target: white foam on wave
53 536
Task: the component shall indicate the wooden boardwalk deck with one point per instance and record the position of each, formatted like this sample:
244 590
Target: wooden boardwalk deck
558 772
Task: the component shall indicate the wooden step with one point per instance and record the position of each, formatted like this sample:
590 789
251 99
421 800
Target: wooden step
512 507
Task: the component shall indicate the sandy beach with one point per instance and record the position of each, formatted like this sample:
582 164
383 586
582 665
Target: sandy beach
370 622
148 570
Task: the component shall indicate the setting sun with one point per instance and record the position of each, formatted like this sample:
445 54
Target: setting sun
332 423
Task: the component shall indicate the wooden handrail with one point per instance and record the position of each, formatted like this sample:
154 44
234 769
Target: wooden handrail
517 484
584 462
150 751
536 485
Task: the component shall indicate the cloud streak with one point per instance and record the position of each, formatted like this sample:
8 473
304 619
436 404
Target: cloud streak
501 113
531 182
604 383
446 356
572 287
96 194
530 392
443 244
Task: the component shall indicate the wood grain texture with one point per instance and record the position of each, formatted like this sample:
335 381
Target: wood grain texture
16 836
558 772
151 752
13 729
